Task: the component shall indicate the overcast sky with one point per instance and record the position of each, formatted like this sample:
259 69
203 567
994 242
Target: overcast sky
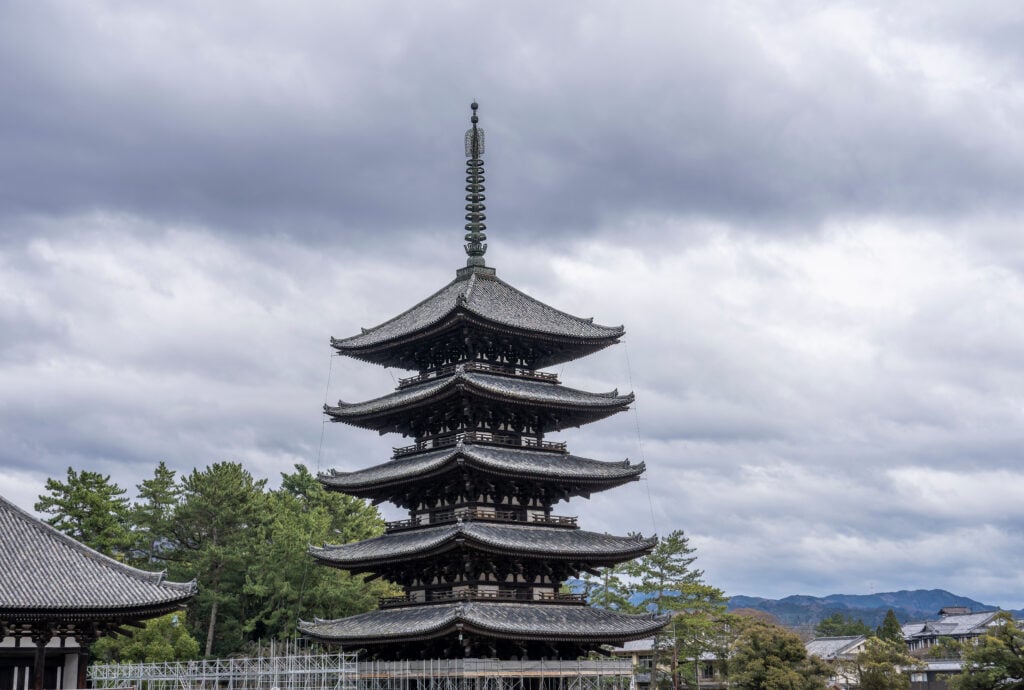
806 214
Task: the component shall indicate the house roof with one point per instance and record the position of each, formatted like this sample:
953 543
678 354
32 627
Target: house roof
952 625
513 462
541 393
493 619
834 647
486 297
551 543
45 573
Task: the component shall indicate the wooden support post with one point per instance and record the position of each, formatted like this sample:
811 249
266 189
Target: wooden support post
40 637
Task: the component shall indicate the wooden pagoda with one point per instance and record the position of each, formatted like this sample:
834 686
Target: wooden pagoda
58 596
482 556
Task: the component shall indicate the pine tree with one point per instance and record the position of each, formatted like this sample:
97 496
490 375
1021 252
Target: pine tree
890 629
90 508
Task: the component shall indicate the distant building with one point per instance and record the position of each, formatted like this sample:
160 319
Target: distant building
954 622
838 650
710 674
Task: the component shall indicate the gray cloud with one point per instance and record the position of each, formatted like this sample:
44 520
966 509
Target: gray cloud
806 216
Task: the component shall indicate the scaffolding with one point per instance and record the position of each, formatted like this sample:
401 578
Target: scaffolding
343 672
285 672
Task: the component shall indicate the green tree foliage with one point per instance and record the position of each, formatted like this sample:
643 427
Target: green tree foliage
890 629
945 648
217 528
839 625
996 661
244 545
153 515
768 657
90 508
284 580
161 639
670 584
608 590
881 665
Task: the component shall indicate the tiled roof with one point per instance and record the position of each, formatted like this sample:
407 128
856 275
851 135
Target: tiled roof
43 570
534 392
548 542
495 619
952 625
496 460
488 298
829 648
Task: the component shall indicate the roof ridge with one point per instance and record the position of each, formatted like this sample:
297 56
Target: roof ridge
51 532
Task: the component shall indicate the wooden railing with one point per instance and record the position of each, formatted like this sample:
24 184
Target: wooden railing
476 594
484 437
482 514
483 368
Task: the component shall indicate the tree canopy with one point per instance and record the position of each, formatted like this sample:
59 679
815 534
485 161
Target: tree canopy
244 544
890 629
839 624
996 661
768 657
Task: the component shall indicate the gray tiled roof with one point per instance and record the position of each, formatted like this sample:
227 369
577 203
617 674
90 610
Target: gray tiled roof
486 297
507 461
829 648
535 392
550 542
498 619
44 570
953 625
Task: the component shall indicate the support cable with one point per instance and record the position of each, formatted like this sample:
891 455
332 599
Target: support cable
319 452
639 437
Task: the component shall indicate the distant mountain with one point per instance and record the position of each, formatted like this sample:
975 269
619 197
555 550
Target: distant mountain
804 612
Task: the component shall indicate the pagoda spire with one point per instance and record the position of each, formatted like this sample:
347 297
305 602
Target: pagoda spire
475 227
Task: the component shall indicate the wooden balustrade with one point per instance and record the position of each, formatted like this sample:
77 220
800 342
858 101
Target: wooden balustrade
483 437
483 368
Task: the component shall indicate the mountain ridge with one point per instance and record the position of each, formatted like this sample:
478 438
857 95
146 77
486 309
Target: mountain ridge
804 611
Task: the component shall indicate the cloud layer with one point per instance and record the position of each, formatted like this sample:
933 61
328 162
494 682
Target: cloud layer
806 215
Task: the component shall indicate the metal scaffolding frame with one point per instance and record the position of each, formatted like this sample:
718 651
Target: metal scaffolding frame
343 672
285 672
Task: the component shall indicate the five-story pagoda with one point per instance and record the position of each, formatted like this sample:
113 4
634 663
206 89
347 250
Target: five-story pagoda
481 557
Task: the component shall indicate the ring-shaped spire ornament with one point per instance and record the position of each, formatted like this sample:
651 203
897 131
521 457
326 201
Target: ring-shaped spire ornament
475 238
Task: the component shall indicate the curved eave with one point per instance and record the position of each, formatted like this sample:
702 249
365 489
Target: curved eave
458 319
488 297
522 464
494 620
373 413
15 616
548 543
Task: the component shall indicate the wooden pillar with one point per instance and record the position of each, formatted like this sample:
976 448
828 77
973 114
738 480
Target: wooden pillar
84 638
41 635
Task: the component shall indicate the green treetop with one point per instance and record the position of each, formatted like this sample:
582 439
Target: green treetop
840 625
890 629
90 508
996 661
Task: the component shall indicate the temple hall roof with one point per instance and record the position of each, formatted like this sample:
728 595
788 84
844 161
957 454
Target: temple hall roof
45 572
550 543
513 462
503 388
494 619
486 297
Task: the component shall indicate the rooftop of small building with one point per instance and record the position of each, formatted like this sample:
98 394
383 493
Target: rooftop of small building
833 647
44 570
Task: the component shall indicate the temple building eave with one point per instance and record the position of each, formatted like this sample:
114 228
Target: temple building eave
549 543
491 619
487 460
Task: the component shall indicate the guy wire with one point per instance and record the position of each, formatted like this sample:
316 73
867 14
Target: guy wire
319 451
639 438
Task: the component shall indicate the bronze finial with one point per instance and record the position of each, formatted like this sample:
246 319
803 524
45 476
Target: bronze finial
475 227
